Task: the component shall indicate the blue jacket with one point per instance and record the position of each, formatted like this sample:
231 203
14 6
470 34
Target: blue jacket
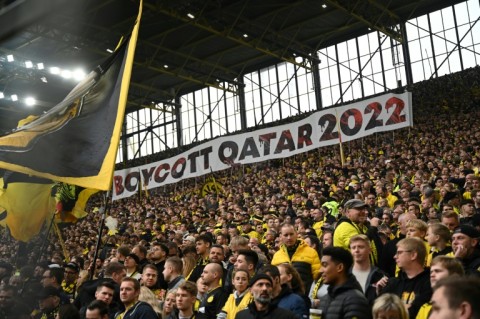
139 310
291 301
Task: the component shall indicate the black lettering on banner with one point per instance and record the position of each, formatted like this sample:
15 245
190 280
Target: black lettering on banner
118 182
229 160
265 139
206 158
328 133
249 149
160 179
346 129
179 162
147 175
395 118
285 142
192 157
133 177
376 108
304 135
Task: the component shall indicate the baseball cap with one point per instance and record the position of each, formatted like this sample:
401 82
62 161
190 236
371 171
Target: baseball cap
468 230
355 203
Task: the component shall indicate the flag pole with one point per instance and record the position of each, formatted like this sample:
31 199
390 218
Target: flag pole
103 210
42 250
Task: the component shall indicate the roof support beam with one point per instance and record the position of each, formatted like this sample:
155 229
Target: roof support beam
365 13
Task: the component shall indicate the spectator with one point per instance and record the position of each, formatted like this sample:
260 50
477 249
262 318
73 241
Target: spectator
389 306
261 287
413 283
134 309
464 244
456 298
240 298
346 299
295 251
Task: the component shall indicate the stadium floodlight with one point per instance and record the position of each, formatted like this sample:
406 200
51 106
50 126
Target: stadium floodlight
40 66
109 50
245 35
30 101
66 74
55 70
28 64
2 95
79 74
165 66
14 97
191 16
10 58
324 6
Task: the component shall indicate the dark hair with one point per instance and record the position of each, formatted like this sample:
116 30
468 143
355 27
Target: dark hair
57 273
270 270
206 239
461 289
316 241
250 256
218 246
142 249
340 255
123 250
150 266
107 284
68 311
113 268
162 246
100 305
136 283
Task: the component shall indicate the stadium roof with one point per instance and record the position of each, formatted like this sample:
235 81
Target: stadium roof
184 45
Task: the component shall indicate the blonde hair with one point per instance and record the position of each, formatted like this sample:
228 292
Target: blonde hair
389 302
147 296
170 292
418 224
189 263
360 237
416 245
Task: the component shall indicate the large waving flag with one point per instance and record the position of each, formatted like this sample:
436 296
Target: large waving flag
25 203
77 140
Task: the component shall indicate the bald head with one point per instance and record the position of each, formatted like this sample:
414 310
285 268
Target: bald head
403 220
212 274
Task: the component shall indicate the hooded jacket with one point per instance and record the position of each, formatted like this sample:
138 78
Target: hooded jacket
346 301
413 291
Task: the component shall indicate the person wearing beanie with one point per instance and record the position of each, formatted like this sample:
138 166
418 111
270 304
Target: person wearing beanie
131 263
464 244
261 287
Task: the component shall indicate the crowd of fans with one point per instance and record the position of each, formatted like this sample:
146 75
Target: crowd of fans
306 234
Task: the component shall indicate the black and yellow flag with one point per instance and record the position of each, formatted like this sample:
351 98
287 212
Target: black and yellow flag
25 203
76 141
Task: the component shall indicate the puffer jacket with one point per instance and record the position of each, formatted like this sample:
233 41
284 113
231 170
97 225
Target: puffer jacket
305 260
346 301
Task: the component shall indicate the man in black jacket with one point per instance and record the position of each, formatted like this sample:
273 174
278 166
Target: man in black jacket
261 287
413 282
134 309
346 299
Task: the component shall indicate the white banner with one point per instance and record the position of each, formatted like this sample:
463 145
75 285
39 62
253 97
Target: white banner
326 127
